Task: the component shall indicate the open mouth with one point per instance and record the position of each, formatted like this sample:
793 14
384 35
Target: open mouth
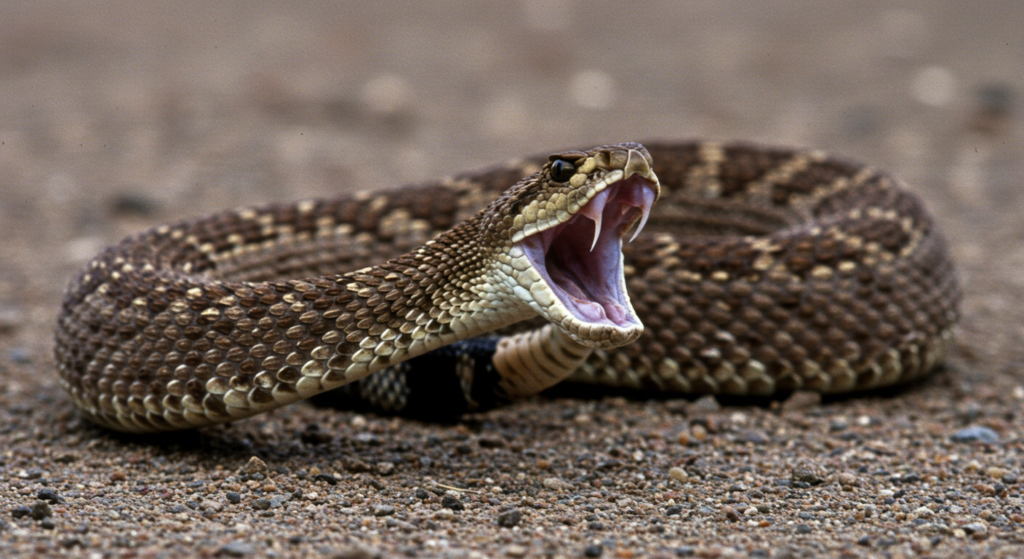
581 259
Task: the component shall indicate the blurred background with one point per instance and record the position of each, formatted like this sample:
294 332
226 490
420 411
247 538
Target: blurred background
119 115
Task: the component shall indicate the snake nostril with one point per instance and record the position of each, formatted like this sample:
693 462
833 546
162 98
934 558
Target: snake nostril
618 159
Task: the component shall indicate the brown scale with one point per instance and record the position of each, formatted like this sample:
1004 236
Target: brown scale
829 325
752 276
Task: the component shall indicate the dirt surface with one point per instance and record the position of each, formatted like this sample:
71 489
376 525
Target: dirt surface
116 117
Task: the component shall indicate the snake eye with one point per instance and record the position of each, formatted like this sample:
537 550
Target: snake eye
562 170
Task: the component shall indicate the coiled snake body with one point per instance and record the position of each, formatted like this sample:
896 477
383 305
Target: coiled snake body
760 270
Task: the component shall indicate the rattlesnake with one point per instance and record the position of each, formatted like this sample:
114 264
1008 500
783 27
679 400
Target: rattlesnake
761 270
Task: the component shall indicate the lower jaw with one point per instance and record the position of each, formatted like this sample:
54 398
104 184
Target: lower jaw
602 336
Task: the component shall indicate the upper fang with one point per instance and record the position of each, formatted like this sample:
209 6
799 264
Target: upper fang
594 209
649 196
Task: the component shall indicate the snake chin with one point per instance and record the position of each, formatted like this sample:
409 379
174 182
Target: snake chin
581 259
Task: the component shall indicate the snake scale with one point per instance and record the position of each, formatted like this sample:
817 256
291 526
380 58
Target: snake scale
760 270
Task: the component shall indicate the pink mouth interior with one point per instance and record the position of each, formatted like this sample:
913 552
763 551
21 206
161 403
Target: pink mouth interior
589 282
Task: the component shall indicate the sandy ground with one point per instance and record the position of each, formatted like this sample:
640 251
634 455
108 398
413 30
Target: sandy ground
117 116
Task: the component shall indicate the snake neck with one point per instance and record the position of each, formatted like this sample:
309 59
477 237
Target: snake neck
448 289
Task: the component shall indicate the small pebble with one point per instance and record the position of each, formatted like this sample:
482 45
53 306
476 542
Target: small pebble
994 103
678 474
313 435
698 433
808 474
48 495
211 505
754 436
492 442
21 511
328 478
847 479
357 551
593 550
516 551
995 99
11 317
731 513
20 356
256 466
803 529
134 204
236 549
976 434
68 543
383 510
233 498
556 483
838 425
66 457
802 400
385 468
704 405
452 502
510 518
975 527
356 466
41 510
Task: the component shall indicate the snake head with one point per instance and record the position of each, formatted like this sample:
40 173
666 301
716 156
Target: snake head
565 256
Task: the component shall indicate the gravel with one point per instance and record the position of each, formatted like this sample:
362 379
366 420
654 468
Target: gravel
223 108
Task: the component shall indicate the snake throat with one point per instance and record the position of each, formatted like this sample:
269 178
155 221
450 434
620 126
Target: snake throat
581 259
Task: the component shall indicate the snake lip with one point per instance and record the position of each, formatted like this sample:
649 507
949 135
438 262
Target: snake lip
581 260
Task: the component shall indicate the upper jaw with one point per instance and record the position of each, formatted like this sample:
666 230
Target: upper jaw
576 275
618 167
